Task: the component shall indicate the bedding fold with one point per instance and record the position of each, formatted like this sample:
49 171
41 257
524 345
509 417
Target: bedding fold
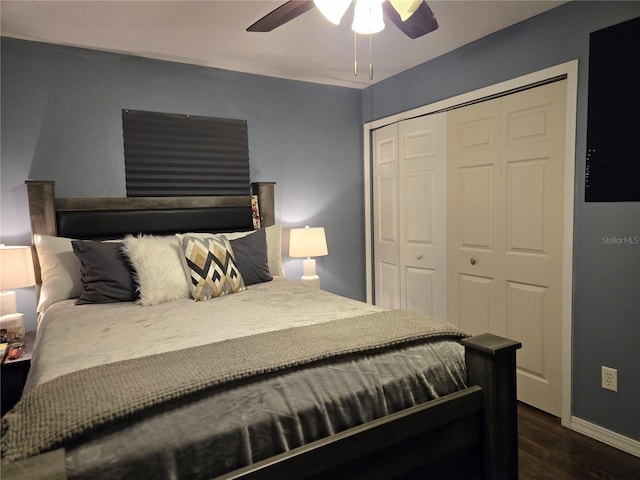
85 401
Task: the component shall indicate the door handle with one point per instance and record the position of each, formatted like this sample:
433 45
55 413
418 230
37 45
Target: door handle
419 257
472 261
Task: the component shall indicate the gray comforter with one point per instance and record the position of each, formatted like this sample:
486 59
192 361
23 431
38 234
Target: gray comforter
174 423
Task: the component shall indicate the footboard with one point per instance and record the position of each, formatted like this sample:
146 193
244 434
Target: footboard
466 435
470 434
425 441
491 364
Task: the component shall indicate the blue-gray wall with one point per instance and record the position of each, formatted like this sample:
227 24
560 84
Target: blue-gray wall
606 306
61 121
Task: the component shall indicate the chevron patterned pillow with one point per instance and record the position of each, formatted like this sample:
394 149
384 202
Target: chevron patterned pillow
210 266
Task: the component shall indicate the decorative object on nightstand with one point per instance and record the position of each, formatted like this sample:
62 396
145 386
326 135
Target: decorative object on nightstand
16 271
14 373
308 242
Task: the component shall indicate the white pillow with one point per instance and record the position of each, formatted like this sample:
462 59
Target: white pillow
59 269
274 249
158 268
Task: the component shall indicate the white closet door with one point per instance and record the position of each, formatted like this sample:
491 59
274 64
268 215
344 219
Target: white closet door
475 220
506 175
386 242
423 254
409 199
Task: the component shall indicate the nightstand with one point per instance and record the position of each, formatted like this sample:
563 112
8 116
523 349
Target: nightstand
14 375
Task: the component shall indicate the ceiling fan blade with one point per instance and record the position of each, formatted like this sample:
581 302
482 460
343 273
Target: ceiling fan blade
281 15
420 23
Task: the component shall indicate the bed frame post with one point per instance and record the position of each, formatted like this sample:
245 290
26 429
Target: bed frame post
491 363
42 206
42 216
266 200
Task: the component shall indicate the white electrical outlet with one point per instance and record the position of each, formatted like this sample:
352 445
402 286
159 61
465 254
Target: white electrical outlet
610 379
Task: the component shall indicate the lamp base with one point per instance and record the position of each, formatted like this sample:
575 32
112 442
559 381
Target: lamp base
309 269
311 280
7 302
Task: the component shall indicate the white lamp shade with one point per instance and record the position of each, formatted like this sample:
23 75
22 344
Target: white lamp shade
333 10
16 267
367 17
307 242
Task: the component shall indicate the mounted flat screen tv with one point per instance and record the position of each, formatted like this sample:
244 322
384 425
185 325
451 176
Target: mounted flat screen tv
613 125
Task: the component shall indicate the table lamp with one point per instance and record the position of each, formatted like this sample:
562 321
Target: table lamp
16 271
308 242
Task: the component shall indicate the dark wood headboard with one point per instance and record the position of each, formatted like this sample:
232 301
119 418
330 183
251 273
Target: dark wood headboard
109 217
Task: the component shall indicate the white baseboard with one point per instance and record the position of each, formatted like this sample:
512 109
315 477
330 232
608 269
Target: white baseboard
603 435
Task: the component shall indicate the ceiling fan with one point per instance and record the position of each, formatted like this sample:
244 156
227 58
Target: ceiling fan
413 17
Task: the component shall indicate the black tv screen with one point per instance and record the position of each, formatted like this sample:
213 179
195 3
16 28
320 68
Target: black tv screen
613 124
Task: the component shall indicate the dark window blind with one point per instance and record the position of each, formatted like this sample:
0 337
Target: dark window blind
168 154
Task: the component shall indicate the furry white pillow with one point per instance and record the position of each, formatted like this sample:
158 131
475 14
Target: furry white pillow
158 268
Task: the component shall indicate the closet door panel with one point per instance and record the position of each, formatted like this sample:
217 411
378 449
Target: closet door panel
506 175
386 225
422 170
419 290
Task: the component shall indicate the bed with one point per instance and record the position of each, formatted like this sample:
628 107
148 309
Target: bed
272 379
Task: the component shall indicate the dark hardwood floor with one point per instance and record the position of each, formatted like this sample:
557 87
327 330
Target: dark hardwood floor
548 450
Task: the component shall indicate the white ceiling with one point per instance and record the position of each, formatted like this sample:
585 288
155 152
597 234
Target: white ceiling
212 33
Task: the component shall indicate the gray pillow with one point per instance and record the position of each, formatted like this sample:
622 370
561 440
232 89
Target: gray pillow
252 257
106 273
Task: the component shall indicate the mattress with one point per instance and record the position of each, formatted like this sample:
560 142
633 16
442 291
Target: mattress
248 421
123 330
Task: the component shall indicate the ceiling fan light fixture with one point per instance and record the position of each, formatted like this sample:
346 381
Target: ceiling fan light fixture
405 8
367 17
333 10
